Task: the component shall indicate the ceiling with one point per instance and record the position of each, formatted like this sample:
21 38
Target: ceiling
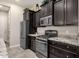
24 3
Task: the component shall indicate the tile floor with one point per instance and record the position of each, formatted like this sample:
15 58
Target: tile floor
20 53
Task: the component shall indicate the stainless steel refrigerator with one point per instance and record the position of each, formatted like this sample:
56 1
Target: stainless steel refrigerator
24 39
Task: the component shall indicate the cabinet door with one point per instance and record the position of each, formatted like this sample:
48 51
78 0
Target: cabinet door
50 8
26 16
78 51
59 13
41 13
44 10
72 12
37 19
33 44
34 19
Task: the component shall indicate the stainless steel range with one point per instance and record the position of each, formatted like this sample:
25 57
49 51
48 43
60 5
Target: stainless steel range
42 43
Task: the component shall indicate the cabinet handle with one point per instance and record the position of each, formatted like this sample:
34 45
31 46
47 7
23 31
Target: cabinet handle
67 56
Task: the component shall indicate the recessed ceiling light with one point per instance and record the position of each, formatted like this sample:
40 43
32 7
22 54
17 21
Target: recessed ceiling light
1 6
17 0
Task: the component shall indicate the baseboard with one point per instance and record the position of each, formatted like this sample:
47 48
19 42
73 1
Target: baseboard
15 46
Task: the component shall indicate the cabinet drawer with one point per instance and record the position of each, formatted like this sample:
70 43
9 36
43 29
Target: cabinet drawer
61 53
65 46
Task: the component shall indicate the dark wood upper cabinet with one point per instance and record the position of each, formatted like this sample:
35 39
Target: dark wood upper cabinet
30 16
37 18
66 12
47 9
50 8
59 13
26 16
72 12
44 10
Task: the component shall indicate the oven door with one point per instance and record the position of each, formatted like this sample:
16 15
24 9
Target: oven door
41 47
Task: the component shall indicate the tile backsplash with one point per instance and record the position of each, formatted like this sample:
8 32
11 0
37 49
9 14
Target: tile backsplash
63 31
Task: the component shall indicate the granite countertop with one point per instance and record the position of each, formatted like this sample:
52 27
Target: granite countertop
3 49
65 40
59 39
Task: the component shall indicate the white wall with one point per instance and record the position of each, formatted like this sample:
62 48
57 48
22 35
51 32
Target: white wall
15 16
78 21
3 23
78 16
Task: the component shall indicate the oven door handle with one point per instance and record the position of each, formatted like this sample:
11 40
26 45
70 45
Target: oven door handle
40 41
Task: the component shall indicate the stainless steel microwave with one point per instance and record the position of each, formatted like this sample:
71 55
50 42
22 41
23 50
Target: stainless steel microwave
46 21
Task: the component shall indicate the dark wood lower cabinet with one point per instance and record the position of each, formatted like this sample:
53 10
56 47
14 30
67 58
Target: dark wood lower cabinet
39 55
57 51
33 44
52 56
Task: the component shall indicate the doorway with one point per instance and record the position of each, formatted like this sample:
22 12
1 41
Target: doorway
4 24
